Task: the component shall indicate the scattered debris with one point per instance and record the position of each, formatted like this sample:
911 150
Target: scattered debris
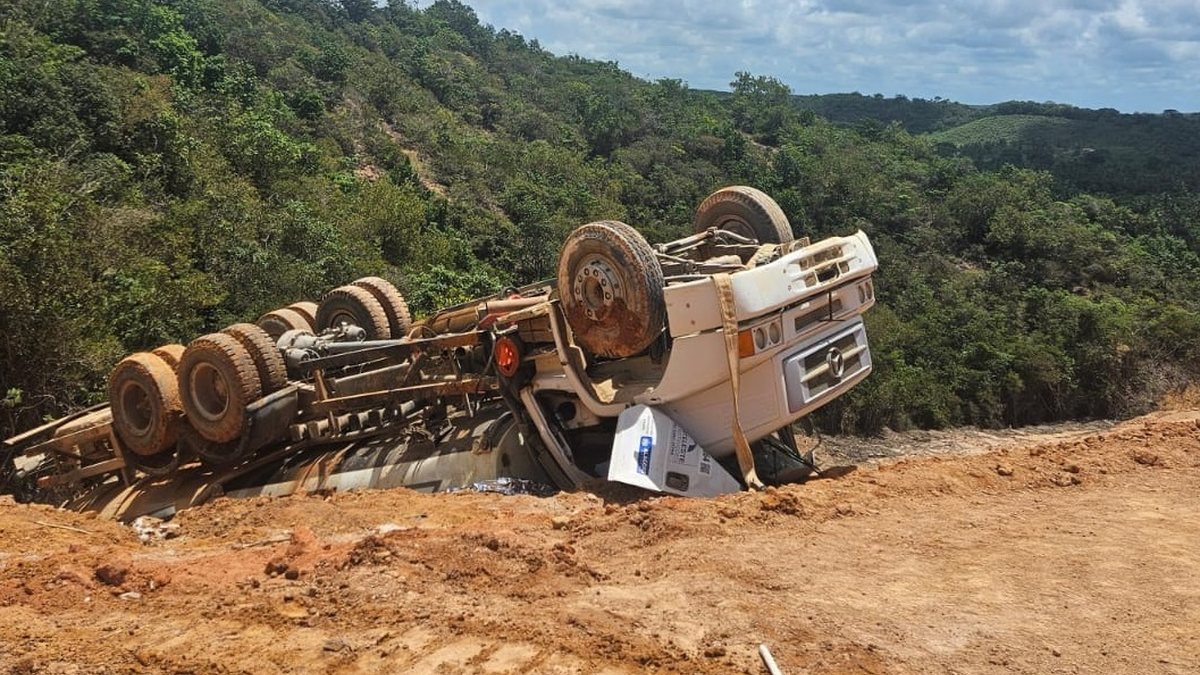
149 528
511 486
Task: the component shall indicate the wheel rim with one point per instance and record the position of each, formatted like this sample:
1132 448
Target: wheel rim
596 286
210 392
136 408
738 226
341 318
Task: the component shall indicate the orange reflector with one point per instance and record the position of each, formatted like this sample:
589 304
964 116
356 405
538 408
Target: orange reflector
745 343
508 356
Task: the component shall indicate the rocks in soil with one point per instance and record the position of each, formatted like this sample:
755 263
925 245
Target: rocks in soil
1066 479
1146 458
112 575
337 644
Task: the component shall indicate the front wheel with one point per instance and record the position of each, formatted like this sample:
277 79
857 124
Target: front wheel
611 288
746 211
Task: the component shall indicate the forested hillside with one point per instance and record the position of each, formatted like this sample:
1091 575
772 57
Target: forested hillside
170 166
1128 155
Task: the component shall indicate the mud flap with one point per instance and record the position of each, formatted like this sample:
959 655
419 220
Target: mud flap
651 451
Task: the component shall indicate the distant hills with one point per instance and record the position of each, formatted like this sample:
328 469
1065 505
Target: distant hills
1087 150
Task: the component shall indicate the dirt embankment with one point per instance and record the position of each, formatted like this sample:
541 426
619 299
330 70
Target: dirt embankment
1076 553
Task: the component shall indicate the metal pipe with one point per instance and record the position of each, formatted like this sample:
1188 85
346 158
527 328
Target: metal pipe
768 660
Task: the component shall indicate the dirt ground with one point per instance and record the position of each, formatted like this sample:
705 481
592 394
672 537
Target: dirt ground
1076 551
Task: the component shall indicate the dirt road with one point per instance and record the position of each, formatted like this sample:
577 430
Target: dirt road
1073 554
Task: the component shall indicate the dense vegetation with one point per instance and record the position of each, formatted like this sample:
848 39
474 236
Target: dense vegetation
1130 155
170 166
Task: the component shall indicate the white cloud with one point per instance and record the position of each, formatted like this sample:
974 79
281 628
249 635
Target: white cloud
1128 54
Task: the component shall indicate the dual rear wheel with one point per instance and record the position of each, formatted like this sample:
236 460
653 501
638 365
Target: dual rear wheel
181 401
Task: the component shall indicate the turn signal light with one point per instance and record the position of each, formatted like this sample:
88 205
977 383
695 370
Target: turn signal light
508 356
745 343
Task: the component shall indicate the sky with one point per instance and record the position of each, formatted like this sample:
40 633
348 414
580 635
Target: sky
1132 55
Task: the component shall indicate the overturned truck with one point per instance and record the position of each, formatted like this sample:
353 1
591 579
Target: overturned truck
678 367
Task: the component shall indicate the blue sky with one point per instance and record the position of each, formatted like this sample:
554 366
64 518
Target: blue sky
1133 55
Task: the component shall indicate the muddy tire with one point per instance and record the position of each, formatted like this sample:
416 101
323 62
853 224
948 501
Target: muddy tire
217 380
210 453
745 211
268 361
280 321
394 306
162 464
306 309
171 354
353 305
145 401
611 288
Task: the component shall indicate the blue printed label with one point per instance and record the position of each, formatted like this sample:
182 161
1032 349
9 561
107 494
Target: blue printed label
643 456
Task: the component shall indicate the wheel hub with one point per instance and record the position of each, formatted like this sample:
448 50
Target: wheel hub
595 286
738 226
137 407
210 392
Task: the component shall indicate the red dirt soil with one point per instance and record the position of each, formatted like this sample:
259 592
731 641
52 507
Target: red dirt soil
1077 554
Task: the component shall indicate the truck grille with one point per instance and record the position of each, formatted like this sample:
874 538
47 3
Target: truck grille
824 368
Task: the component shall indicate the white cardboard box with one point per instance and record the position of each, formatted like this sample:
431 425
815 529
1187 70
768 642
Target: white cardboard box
651 451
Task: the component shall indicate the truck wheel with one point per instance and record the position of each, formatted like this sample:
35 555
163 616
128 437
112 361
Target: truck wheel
145 401
394 306
211 453
268 360
162 464
217 380
171 354
745 211
280 321
611 289
306 309
353 305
